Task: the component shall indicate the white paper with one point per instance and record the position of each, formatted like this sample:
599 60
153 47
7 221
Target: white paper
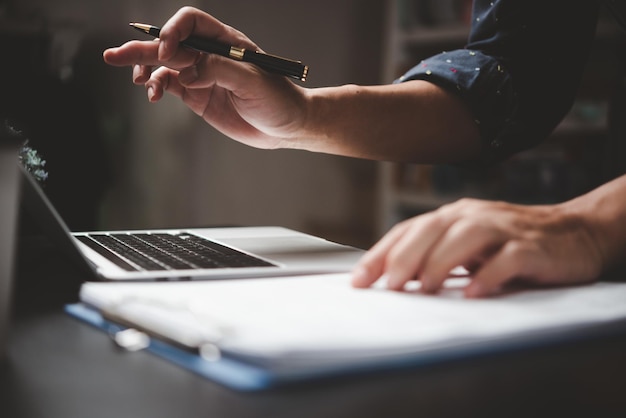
322 320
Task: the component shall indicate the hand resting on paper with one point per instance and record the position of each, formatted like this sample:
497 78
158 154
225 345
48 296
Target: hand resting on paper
568 243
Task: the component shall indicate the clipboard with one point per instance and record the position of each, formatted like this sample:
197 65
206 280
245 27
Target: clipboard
227 372
245 377
238 372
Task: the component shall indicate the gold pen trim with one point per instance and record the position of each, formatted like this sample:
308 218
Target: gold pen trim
141 26
236 53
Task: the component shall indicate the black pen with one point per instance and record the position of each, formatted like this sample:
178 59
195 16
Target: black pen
271 63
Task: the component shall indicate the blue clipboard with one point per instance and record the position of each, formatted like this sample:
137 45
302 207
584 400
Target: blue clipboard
243 376
231 373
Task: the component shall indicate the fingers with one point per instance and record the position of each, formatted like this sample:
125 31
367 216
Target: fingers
141 73
143 56
513 260
464 243
186 22
371 266
191 21
529 261
211 70
429 247
240 78
406 259
401 254
161 80
146 53
131 53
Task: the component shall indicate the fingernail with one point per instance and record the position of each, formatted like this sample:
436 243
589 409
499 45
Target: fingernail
161 51
105 54
393 282
359 276
136 73
426 286
474 290
150 93
188 75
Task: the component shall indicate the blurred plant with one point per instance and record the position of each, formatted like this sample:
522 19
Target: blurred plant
33 162
27 156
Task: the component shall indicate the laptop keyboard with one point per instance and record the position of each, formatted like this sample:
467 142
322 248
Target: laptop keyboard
162 251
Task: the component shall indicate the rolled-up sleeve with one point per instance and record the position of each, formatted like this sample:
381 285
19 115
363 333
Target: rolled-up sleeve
520 70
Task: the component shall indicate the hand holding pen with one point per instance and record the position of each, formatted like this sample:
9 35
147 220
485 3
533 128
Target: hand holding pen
246 101
271 63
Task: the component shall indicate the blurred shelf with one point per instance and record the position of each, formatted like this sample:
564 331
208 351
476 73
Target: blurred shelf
406 190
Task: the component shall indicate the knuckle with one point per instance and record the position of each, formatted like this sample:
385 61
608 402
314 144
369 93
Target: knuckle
400 262
515 248
398 228
368 260
516 253
187 10
464 203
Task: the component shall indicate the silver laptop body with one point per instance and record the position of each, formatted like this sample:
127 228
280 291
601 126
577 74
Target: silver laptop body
280 251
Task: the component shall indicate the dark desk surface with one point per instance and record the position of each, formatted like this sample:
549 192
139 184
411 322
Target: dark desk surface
60 367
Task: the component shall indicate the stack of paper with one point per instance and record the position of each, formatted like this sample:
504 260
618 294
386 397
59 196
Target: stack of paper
321 322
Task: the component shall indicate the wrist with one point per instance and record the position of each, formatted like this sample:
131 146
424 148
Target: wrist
325 114
602 217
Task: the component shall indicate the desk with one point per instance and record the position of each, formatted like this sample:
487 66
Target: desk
60 367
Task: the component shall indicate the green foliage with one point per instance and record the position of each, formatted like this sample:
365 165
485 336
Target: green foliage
27 156
33 162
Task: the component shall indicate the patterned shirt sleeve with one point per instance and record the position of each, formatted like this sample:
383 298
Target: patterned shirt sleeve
519 71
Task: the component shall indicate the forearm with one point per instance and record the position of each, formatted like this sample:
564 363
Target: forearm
414 121
603 213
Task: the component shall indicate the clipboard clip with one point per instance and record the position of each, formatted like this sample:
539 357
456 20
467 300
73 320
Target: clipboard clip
130 339
203 341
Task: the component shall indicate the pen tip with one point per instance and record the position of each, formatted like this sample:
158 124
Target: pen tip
141 26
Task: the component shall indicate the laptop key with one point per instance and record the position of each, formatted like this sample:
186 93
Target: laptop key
127 253
106 253
163 251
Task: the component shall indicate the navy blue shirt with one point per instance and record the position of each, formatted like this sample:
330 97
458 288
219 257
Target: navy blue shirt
520 70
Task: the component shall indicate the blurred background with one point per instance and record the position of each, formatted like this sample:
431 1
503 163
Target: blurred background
117 161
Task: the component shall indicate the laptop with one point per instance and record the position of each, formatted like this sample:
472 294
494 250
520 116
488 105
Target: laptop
9 202
187 254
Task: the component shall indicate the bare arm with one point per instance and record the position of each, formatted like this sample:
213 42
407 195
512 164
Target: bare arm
414 121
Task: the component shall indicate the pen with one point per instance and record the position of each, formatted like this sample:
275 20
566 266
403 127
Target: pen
268 62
